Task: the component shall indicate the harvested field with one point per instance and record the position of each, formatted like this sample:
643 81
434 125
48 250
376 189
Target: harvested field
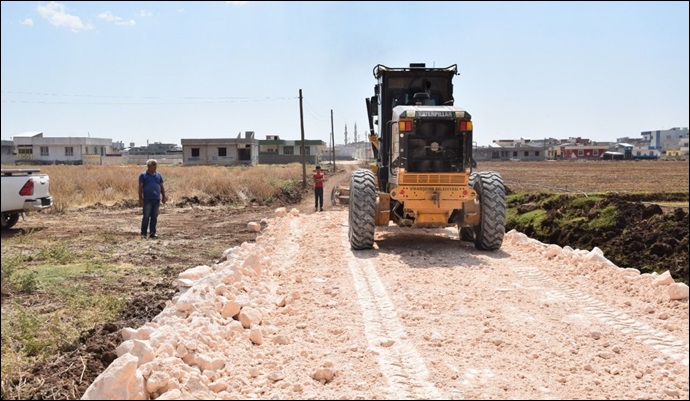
592 176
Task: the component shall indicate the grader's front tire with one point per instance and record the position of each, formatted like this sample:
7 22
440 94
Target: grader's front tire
492 202
362 210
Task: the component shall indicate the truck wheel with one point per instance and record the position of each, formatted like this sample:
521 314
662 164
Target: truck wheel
467 234
8 220
362 210
492 203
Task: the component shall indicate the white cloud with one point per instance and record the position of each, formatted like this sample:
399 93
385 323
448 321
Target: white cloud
55 13
28 22
108 16
144 13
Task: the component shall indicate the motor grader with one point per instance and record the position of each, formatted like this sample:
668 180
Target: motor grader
423 176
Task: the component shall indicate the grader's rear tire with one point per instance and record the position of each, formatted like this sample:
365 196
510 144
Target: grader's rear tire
362 214
488 235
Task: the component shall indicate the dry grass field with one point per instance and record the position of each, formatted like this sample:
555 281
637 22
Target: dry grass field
79 186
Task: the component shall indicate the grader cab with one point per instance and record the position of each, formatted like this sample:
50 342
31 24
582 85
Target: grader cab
423 175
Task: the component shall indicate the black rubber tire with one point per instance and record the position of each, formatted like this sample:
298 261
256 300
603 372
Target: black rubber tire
488 235
466 234
9 220
362 210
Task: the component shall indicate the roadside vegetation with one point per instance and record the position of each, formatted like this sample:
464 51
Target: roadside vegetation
633 230
80 186
57 291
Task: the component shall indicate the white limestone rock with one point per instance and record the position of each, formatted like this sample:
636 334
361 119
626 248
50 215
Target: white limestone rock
663 279
195 273
120 381
678 291
249 316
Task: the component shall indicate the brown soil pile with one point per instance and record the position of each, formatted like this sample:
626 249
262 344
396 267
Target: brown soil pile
631 232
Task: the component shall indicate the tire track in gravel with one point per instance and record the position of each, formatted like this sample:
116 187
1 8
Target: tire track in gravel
398 359
661 341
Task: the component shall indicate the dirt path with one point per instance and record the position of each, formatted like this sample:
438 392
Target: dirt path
339 178
422 315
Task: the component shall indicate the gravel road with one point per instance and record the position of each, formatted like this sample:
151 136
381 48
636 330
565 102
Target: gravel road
299 315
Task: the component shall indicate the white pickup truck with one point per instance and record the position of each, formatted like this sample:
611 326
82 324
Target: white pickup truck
23 190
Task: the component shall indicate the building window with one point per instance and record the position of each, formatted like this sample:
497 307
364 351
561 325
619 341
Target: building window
536 153
595 152
514 154
44 151
580 152
223 152
307 151
526 153
69 151
195 152
288 150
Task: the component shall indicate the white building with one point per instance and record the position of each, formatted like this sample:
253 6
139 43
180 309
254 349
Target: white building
34 148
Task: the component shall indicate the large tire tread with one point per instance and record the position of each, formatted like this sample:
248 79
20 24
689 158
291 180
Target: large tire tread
362 210
492 198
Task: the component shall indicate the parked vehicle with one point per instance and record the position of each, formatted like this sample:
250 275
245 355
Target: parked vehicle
23 190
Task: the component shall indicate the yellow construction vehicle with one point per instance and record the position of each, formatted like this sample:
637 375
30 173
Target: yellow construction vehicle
423 175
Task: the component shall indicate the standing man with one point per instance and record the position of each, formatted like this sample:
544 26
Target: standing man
150 191
318 189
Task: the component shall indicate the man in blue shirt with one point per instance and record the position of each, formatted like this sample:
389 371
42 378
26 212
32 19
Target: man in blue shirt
150 191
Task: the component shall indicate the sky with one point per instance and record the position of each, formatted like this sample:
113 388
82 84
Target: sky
164 71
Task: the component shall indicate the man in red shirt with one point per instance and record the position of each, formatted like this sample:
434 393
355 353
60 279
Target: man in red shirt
318 189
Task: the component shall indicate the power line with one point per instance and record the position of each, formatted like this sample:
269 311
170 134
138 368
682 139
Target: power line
148 103
140 100
313 110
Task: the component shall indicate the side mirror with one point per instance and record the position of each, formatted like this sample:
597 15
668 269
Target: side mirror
374 104
376 89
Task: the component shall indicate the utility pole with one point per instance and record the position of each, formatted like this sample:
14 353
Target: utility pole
304 157
345 134
332 142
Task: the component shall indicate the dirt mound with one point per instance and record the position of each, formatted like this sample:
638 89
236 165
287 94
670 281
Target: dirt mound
631 233
68 374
